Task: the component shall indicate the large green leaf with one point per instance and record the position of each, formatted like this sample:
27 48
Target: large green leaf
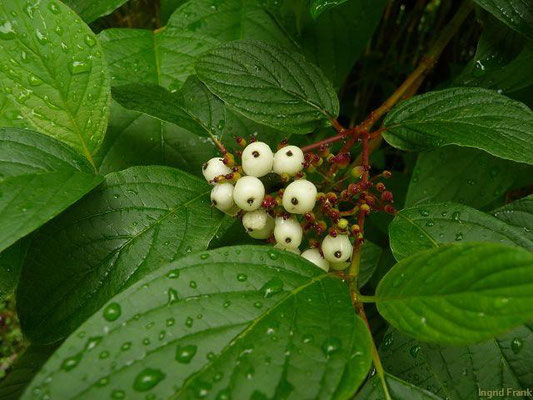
89 10
459 294
39 178
133 139
518 214
398 389
24 369
269 85
517 14
166 56
332 41
428 226
56 75
11 260
469 117
459 372
242 322
462 175
138 219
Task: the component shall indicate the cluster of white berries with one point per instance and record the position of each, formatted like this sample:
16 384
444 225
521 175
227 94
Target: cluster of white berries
247 198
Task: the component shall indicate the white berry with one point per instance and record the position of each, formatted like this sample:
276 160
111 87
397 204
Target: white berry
288 160
257 159
316 258
249 193
299 197
222 196
337 249
254 220
288 233
266 231
213 168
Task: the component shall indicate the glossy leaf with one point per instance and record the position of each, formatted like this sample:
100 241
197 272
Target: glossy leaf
39 178
168 7
460 174
11 260
332 41
24 369
317 7
166 57
57 77
458 294
242 321
90 10
269 85
459 372
133 139
517 14
428 226
518 214
469 117
10 117
502 61
138 219
398 389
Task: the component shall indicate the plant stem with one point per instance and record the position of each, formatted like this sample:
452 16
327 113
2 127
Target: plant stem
219 145
375 355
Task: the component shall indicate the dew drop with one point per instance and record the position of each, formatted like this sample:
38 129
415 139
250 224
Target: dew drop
54 8
516 345
6 30
272 287
204 256
258 304
112 312
226 304
273 255
89 40
172 296
331 345
188 322
147 379
184 354
201 389
387 341
456 216
458 237
414 351
242 277
118 394
35 80
423 213
71 362
77 67
173 274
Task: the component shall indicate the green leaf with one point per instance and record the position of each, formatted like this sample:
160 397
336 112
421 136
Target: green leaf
166 56
11 260
458 294
133 139
517 14
398 389
317 7
10 117
332 41
502 61
462 175
459 372
138 219
248 321
39 178
167 8
518 214
56 77
269 85
24 369
432 225
90 10
370 257
469 117
158 102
